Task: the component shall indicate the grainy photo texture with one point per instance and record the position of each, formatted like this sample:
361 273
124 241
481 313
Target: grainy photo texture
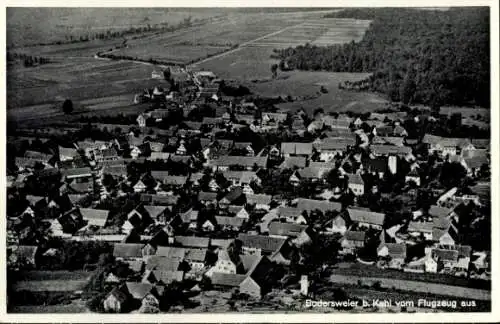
257 160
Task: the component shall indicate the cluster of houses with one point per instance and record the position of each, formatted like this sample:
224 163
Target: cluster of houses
164 241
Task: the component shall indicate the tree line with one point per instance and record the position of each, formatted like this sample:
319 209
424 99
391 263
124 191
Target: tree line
416 56
28 60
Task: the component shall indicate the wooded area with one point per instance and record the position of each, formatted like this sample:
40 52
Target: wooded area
416 56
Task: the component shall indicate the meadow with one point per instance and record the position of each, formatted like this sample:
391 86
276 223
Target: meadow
234 43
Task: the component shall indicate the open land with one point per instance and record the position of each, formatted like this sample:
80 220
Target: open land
77 74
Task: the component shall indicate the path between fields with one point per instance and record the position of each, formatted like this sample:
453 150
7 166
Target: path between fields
242 45
417 286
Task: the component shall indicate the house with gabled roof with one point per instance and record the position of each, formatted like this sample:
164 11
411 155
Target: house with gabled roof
395 252
355 183
309 205
238 212
259 201
223 163
128 251
366 218
296 149
292 162
228 223
192 241
352 241
291 215
421 229
67 153
233 197
94 217
162 277
274 247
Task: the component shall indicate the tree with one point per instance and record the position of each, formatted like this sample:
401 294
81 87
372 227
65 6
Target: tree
67 106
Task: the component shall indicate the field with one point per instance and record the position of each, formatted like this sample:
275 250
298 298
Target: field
77 22
235 43
48 291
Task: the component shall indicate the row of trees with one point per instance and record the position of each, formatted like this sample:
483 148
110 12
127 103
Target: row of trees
28 60
430 57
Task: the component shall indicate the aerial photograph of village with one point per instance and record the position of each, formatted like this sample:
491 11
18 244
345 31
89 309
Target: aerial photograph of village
248 160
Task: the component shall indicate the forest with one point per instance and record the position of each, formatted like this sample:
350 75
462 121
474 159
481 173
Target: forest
415 56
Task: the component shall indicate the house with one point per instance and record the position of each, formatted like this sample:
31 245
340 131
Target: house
192 241
168 252
25 256
68 154
331 148
107 154
162 277
223 163
94 217
356 184
142 293
260 244
208 226
413 176
139 186
222 280
259 201
224 264
338 225
196 258
243 147
291 215
386 150
128 251
296 149
229 223
377 166
446 258
207 197
158 214
292 162
311 205
366 218
233 197
81 174
474 164
269 118
420 229
395 252
238 212
159 156
444 146
117 301
352 241
300 234
189 218
447 236
240 178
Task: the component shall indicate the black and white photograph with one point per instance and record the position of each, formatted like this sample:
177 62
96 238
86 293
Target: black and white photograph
249 160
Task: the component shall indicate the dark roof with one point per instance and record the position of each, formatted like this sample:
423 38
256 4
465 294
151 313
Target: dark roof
97 217
355 236
138 290
229 221
445 254
254 199
396 250
192 241
355 179
197 255
266 243
247 161
128 250
286 229
204 195
157 262
234 194
296 148
294 161
312 204
366 216
227 279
